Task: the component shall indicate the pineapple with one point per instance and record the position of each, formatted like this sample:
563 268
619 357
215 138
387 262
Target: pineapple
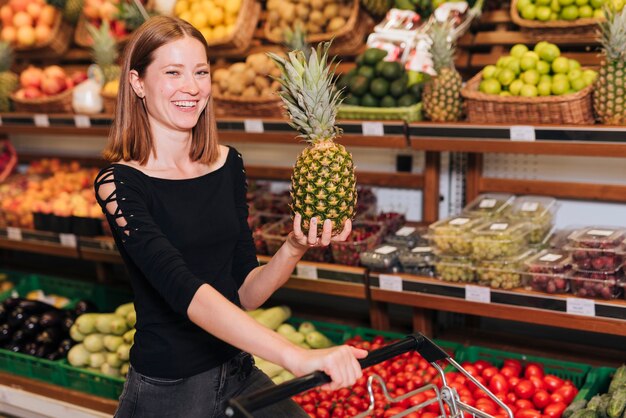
72 10
323 182
377 7
296 39
104 50
8 79
442 95
610 87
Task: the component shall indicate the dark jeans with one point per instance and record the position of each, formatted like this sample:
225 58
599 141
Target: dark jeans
204 395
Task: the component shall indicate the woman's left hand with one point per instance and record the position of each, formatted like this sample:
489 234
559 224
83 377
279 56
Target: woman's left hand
298 240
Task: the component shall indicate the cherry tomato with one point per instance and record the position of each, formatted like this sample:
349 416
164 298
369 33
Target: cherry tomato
499 384
527 413
524 404
513 381
489 372
486 408
516 364
537 382
338 412
508 371
430 415
533 369
511 397
556 397
322 413
568 392
393 411
552 382
525 389
481 365
555 410
308 408
471 369
541 399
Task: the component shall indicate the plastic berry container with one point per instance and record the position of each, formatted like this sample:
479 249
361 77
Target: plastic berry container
539 211
407 237
499 239
597 248
597 284
489 205
453 236
262 223
418 260
365 236
455 269
548 271
383 258
503 273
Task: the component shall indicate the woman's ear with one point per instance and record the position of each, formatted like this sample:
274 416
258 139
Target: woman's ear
136 83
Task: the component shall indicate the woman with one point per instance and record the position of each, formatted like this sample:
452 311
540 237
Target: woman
176 201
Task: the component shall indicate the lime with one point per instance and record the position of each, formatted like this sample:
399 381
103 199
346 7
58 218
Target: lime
505 94
554 16
528 62
560 77
560 65
544 78
514 66
539 46
589 76
596 4
397 88
529 12
503 61
598 14
585 11
578 84
388 101
351 100
543 67
523 3
543 2
574 74
573 64
518 50
543 13
528 91
507 76
406 100
530 77
560 86
491 86
369 101
367 71
515 87
544 88
566 2
581 2
379 87
555 6
569 12
549 52
489 71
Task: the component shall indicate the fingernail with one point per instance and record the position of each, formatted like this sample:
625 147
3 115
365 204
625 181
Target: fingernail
313 221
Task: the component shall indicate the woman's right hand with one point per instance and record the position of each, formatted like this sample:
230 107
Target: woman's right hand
340 363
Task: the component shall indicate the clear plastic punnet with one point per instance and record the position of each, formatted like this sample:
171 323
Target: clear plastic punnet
597 248
489 205
503 273
455 269
597 284
453 236
418 260
539 211
383 258
500 238
548 271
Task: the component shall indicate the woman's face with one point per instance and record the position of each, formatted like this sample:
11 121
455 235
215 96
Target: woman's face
176 85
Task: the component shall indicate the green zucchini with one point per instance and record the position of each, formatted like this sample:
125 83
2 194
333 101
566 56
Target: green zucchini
619 379
617 404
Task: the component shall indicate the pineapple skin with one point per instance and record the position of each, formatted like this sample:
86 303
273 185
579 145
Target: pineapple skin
442 97
609 91
324 185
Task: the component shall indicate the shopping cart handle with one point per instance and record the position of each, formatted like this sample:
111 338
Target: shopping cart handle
243 405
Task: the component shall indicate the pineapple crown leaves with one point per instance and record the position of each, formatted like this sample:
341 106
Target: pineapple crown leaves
132 13
308 93
613 34
6 56
295 39
104 48
441 47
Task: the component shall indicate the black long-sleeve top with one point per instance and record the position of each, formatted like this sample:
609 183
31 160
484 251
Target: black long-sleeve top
174 236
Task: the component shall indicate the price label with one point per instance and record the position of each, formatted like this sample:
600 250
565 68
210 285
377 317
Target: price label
373 128
499 227
459 221
41 120
390 282
522 133
601 232
579 306
530 207
477 294
487 203
551 258
82 121
405 231
68 240
387 249
306 271
421 250
14 234
253 126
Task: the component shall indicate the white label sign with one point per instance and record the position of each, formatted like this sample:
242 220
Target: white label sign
459 221
253 126
478 294
405 231
551 258
390 282
68 240
387 249
421 250
487 203
14 234
41 121
530 206
579 306
82 121
522 133
600 232
305 271
373 128
499 227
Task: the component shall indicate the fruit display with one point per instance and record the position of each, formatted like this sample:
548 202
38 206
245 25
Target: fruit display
499 239
105 54
538 211
502 273
548 271
8 159
392 221
383 258
316 17
610 404
27 23
417 260
252 78
453 236
104 341
489 205
406 236
215 19
597 284
259 223
597 248
442 95
455 269
276 235
609 87
540 72
122 16
323 184
8 79
567 10
38 83
375 82
365 236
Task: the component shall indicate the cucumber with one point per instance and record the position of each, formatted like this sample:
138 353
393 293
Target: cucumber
573 407
619 379
617 404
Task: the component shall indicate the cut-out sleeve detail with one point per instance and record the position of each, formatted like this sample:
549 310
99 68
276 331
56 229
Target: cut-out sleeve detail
125 205
245 259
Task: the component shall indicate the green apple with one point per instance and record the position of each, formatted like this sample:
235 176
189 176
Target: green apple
507 76
560 77
505 94
528 91
560 86
545 78
521 4
569 12
589 76
581 2
578 84
530 12
543 67
544 88
518 50
555 6
598 14
528 62
539 46
566 2
515 87
530 77
549 52
585 11
489 72
542 2
543 13
514 65
597 4
503 61
491 86
574 74
560 65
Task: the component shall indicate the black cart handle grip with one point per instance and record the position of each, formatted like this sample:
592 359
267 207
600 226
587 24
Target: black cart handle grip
243 405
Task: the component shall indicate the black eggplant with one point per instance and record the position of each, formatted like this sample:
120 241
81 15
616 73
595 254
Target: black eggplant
55 355
11 303
5 334
30 349
17 318
67 322
66 344
85 306
49 336
43 350
51 318
31 326
15 347
35 306
20 337
4 314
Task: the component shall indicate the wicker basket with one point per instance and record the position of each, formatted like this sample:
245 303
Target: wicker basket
60 103
238 41
8 169
109 101
578 27
247 106
572 109
408 114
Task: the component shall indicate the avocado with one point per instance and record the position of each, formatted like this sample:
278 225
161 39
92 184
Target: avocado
388 101
397 88
407 100
372 55
351 100
343 82
359 85
392 70
367 71
416 90
379 87
369 101
379 68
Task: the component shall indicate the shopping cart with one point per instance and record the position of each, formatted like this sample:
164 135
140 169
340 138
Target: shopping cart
244 406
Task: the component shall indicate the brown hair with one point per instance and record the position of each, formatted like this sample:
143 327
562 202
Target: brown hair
130 137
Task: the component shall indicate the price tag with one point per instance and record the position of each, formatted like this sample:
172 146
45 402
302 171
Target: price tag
522 133
68 240
41 120
390 282
530 207
579 306
477 294
600 232
14 234
405 231
459 221
487 203
306 271
499 227
373 128
387 249
253 126
551 258
421 250
82 121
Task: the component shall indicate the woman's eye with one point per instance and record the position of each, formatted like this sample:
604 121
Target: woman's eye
171 72
202 72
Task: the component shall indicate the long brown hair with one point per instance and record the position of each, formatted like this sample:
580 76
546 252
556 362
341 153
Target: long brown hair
130 137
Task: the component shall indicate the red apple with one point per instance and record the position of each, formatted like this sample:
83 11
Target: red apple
32 93
78 77
53 85
54 71
31 77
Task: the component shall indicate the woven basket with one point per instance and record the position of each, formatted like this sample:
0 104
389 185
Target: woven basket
578 27
8 169
572 109
109 101
236 106
60 103
239 39
408 114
